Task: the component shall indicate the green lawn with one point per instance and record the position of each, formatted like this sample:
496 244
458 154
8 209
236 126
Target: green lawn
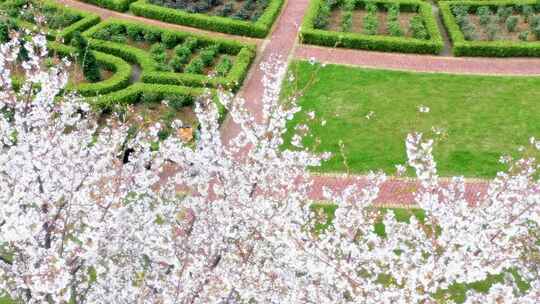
482 117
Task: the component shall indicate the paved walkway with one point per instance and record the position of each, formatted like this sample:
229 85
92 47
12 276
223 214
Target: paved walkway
422 63
283 42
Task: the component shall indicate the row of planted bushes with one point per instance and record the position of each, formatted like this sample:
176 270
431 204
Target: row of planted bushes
150 74
156 92
259 29
498 48
432 45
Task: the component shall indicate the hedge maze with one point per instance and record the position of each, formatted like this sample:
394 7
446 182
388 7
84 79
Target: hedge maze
384 25
159 71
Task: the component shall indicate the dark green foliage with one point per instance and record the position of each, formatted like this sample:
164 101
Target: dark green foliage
524 36
223 67
484 14
371 21
150 97
208 54
417 28
4 31
134 34
177 102
85 58
394 28
321 21
196 66
117 5
504 12
527 11
511 23
492 29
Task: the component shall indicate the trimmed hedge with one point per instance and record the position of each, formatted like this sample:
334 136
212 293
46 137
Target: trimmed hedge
115 5
118 81
244 56
500 48
133 93
259 29
309 34
87 20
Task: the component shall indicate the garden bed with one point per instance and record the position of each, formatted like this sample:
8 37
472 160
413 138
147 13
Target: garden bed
252 18
56 21
401 26
493 28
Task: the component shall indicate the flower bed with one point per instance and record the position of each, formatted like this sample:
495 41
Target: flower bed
252 18
399 26
493 28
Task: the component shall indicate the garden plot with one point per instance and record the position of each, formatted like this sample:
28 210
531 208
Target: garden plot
493 28
372 19
240 17
398 25
498 22
248 10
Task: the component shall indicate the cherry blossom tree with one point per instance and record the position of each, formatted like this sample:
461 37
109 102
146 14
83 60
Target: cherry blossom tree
230 222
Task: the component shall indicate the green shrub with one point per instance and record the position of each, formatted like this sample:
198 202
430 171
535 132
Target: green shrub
177 102
151 35
223 67
134 33
371 21
196 66
176 63
169 39
524 36
393 25
484 14
534 21
511 23
323 17
527 11
492 29
150 97
504 12
346 22
417 28
85 58
208 54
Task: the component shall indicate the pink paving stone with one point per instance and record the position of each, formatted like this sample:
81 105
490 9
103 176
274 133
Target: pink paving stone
422 63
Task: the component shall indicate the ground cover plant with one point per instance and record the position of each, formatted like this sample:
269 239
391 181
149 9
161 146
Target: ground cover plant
242 17
402 26
58 22
476 119
493 28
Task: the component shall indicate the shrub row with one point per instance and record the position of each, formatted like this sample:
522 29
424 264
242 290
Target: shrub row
115 5
434 45
133 94
244 55
86 20
259 29
499 48
118 81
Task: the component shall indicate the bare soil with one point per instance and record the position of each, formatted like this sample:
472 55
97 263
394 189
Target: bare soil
358 17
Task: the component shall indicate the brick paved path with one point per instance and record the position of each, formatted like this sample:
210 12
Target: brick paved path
422 63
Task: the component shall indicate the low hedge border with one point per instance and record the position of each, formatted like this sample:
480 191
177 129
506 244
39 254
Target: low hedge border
258 29
500 48
133 93
309 34
119 80
115 5
244 53
87 20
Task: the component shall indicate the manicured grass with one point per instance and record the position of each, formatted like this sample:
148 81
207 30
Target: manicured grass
483 117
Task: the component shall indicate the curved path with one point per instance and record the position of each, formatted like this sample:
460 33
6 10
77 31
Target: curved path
283 42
